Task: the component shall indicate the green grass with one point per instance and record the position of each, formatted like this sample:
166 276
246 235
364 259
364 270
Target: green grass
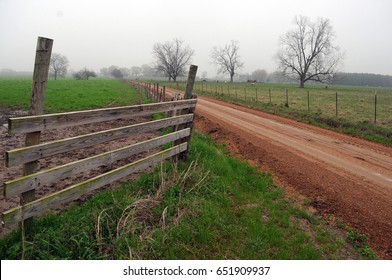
355 105
69 95
212 207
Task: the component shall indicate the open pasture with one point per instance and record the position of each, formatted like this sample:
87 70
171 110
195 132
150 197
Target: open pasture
68 95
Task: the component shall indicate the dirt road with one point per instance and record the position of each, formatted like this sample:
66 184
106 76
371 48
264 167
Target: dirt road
344 177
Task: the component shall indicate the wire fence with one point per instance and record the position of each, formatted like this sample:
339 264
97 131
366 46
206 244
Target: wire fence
351 103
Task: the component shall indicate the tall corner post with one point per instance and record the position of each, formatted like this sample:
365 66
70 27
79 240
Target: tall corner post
40 77
188 95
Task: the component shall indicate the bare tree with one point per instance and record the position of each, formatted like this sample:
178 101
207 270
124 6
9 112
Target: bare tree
84 74
58 65
308 52
227 59
172 57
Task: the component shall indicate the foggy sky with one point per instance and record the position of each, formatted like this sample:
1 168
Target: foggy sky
100 33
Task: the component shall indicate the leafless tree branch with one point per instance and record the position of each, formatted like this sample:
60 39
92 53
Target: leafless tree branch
58 65
172 57
308 52
227 59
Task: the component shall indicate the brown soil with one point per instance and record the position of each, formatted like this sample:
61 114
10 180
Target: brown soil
345 177
17 141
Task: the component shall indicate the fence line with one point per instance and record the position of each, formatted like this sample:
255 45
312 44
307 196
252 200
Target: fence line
354 104
38 179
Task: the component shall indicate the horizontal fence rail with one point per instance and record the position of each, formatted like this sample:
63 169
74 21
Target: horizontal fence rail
27 154
39 179
63 120
181 122
75 191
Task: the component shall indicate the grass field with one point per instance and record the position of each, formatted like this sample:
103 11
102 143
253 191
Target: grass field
69 95
212 207
355 105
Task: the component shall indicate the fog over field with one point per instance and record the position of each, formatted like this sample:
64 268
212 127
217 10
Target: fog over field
100 33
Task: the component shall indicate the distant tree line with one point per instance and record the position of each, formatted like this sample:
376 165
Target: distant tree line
362 79
341 78
262 76
143 71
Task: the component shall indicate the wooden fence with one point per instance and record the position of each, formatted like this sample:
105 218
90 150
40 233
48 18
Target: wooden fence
183 121
180 115
158 93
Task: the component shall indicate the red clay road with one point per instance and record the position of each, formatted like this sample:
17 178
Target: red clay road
344 176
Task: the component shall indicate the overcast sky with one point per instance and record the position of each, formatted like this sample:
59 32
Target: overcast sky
100 33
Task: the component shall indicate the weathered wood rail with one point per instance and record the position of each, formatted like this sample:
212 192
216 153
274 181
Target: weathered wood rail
183 121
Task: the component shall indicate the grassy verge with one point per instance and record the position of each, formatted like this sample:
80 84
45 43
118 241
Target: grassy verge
212 207
69 95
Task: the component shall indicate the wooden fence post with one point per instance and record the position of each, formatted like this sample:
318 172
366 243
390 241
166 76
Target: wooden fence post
287 98
308 102
40 78
190 82
269 91
375 107
188 95
153 93
157 94
257 99
336 104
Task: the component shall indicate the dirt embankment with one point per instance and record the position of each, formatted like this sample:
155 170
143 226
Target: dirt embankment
345 177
